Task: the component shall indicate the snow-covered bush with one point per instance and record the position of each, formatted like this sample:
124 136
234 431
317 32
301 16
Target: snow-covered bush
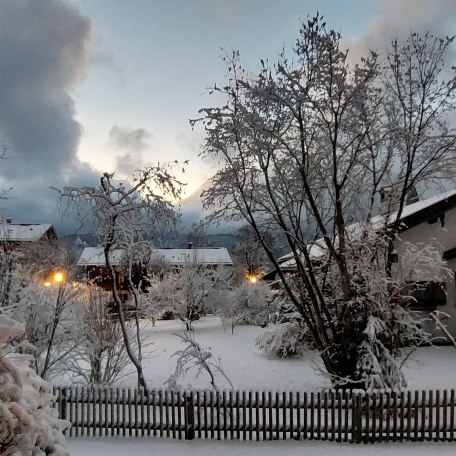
247 304
47 312
100 357
283 310
188 292
199 359
283 340
28 423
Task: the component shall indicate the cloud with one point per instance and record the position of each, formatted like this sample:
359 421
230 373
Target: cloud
131 142
45 50
397 19
129 139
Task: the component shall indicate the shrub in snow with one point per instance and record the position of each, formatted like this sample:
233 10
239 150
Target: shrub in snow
247 304
28 423
188 293
284 310
283 340
195 357
100 357
47 313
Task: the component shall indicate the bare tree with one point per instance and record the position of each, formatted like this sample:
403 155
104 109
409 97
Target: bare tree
123 215
309 142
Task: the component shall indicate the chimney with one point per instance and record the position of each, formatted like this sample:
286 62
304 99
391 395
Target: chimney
189 245
412 196
389 200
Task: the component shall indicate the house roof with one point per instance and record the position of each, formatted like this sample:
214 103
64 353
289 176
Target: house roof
412 215
24 232
94 256
201 255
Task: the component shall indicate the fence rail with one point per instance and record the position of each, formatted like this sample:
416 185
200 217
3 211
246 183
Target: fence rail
330 415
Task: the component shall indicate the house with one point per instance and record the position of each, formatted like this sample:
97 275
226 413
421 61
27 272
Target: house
211 257
430 221
34 244
93 261
21 235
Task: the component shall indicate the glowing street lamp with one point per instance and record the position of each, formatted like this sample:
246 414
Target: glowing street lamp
251 278
58 277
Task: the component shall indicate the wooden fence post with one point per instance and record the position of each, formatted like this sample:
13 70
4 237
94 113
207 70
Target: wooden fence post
357 417
189 417
62 403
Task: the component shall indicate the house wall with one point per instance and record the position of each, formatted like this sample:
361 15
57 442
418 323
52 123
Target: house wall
443 238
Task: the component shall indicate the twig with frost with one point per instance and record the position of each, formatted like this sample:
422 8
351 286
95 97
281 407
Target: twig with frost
194 356
436 315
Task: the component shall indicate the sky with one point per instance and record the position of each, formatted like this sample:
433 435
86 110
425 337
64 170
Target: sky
88 86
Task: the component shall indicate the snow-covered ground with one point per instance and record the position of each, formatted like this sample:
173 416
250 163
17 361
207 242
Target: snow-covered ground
248 369
149 447
428 368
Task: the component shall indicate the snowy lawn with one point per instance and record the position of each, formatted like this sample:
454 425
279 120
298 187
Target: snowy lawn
148 447
248 369
433 367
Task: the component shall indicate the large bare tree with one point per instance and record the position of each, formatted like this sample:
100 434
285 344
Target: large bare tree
305 147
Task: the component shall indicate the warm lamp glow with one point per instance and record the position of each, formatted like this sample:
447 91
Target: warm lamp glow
252 278
58 277
47 283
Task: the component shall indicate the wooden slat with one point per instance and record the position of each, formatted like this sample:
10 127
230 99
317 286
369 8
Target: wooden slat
431 415
437 416
416 412
445 416
423 415
219 414
340 417
408 417
160 413
76 410
452 413
292 412
233 419
298 416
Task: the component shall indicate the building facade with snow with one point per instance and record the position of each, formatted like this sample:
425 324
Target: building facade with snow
427 222
159 261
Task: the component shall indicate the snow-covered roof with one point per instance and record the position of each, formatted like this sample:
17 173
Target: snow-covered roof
411 215
94 256
23 232
205 256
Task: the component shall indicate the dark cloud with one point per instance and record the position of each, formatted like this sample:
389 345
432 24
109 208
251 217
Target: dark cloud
45 49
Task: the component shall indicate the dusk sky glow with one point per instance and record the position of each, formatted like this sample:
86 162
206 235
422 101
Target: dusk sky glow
110 85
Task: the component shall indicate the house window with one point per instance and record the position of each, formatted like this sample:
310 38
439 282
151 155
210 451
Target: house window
424 295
